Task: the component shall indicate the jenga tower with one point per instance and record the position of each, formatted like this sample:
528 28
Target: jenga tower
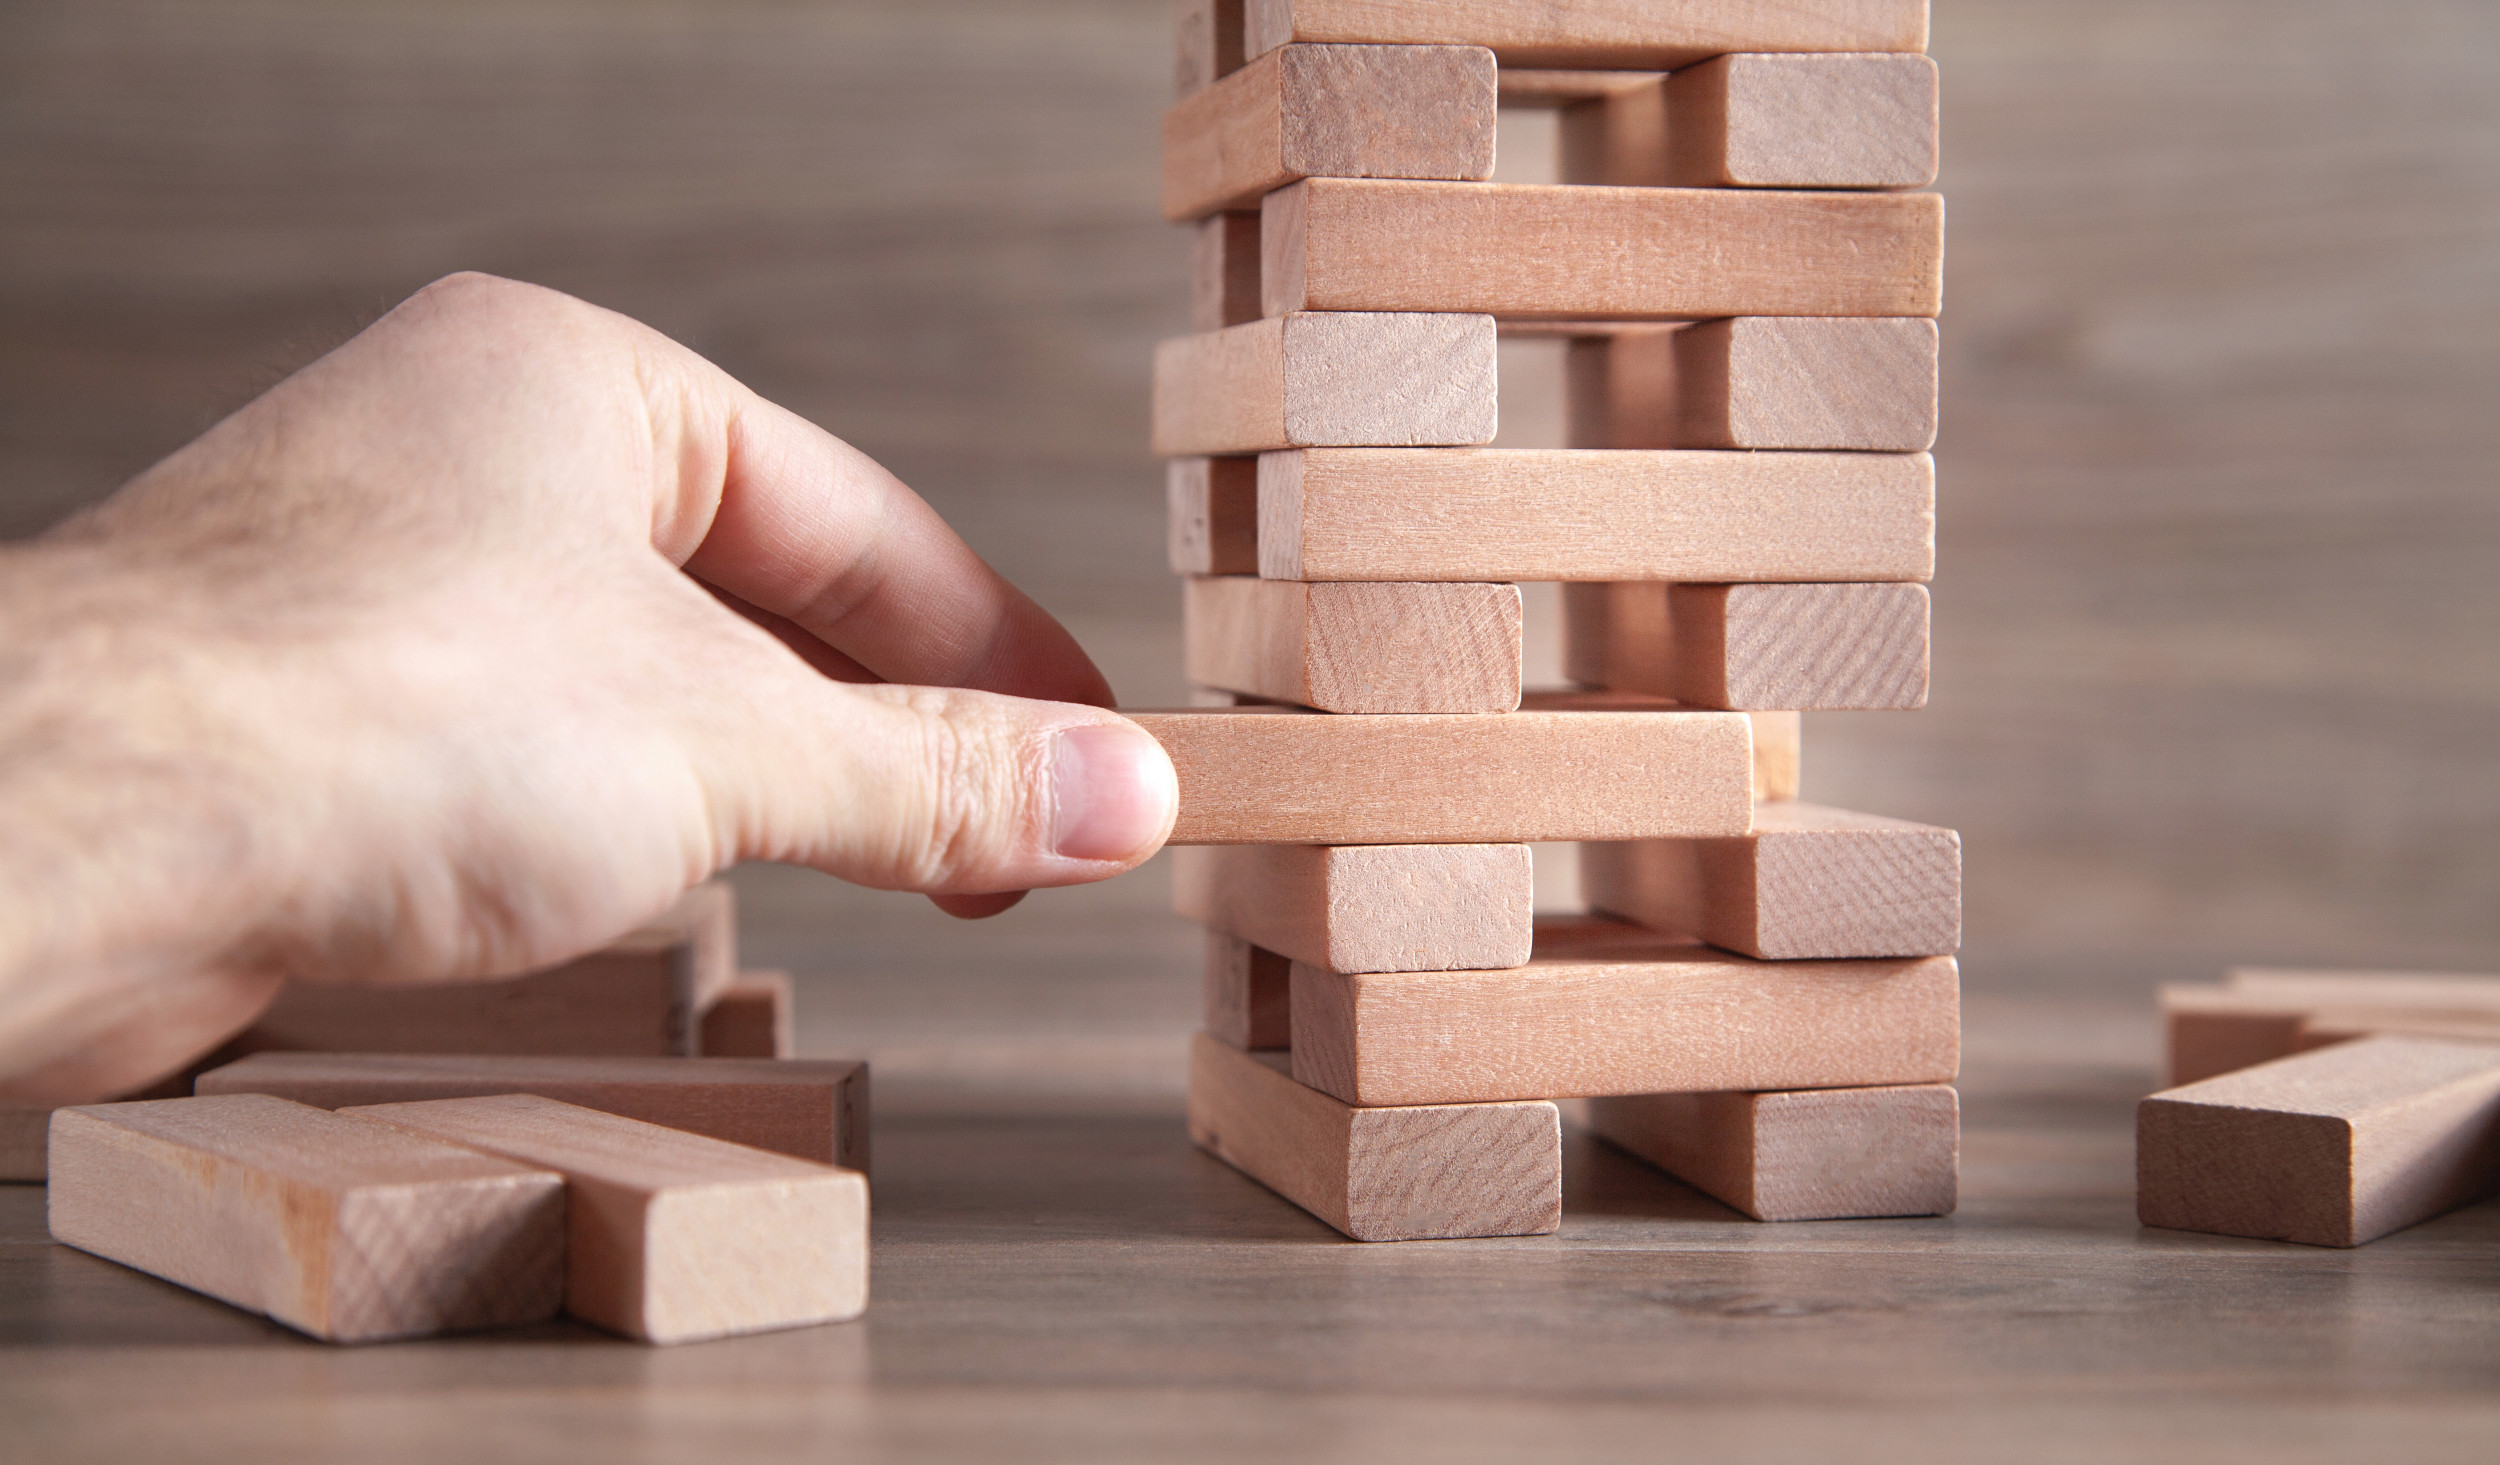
1767 1005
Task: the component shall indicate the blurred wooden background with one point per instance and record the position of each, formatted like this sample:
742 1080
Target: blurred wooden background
2218 623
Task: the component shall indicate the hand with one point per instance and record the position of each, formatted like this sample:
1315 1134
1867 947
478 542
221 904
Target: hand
470 646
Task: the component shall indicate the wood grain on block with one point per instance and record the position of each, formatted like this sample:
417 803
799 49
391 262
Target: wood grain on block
671 1236
1365 908
752 1018
1381 1174
334 1226
1866 120
1329 112
1779 382
1605 1008
2263 1015
1357 648
1246 992
1765 647
1212 515
1224 270
1594 514
22 1131
811 1108
1658 34
1268 775
1206 43
1343 379
1802 1155
1809 882
1557 251
1778 756
2331 1148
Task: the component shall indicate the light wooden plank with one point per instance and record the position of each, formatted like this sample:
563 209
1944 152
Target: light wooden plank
1801 647
2342 1025
1211 508
1658 34
1207 37
22 1131
1224 270
1246 994
1570 252
1530 90
1802 1155
1365 908
673 1237
1357 648
337 1227
1863 120
2443 991
1346 379
753 1018
1758 382
2262 1015
2331 1148
1382 1174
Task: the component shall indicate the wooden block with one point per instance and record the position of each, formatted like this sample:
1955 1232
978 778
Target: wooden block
1246 994
1806 647
1329 112
1803 1155
22 1131
2331 1148
334 1226
1763 381
811 1108
1365 908
2430 991
1558 251
671 1236
1357 648
1656 34
1224 270
753 1018
1346 379
1212 515
1268 775
1580 514
1527 89
1809 882
1866 120
1392 1174
1610 1009
1206 43
2341 1025
2262 1015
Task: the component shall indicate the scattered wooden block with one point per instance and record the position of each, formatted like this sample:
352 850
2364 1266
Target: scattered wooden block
1803 1155
1224 270
1762 121
1658 34
1581 514
1604 1008
2338 1025
1809 882
1246 994
671 1236
1780 382
2331 1148
1806 647
753 1018
1212 515
2262 1015
2428 991
1389 1174
1206 43
1335 380
1332 112
1357 648
337 1227
1365 908
22 1135
1778 756
1558 251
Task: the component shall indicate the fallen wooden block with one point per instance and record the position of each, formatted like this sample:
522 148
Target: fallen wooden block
1365 908
344 1229
1329 111
1212 515
2340 1025
673 1237
23 1128
1806 647
1861 120
2263 1015
1340 379
1778 756
1561 252
1604 1008
1224 270
752 1018
1658 34
814 1109
1206 43
2331 1148
1809 882
1357 648
1246 994
2432 991
1388 1174
1585 514
1793 383
1803 1155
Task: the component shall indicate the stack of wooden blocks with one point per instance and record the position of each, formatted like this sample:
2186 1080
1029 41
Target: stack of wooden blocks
1766 1004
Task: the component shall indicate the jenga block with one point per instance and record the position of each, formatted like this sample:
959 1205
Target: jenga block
1809 882
1357 648
670 1236
1656 34
2208 1031
1803 1155
1808 647
1778 756
22 1131
2262 1015
335 1226
1572 514
1564 252
2342 1025
1782 382
814 1109
1529 90
1246 994
1365 908
753 1018
1388 1174
1763 121
1335 380
1269 775
1206 43
2435 991
1224 270
1212 523
1329 112
1607 1009
2331 1148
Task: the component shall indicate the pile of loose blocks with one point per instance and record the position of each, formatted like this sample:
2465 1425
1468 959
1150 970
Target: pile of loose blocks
625 1138
1765 1002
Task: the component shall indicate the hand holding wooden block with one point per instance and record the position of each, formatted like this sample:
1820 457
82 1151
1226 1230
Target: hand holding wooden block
1349 378
1654 34
1791 383
1803 647
1864 120
1804 1155
1365 908
1357 648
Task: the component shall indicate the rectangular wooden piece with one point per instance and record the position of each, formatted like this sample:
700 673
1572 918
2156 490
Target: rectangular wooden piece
1224 270
1246 994
1446 647
1365 908
1863 120
1786 383
1855 647
2261 1015
1342 379
752 1018
1804 1154
1207 37
1654 34
1212 515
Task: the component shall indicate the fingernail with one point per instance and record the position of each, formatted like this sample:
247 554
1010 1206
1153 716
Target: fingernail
1113 792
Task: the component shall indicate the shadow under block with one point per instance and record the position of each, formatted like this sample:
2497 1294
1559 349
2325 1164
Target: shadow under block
1246 994
1785 383
1657 34
1592 514
2261 1015
1562 252
2331 1148
1365 908
1607 1009
1269 775
752 1018
1211 524
1802 1155
1341 379
1224 270
335 1226
1381 1174
1329 111
1357 647
1808 883
1860 647
1863 120
673 1237
1206 43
